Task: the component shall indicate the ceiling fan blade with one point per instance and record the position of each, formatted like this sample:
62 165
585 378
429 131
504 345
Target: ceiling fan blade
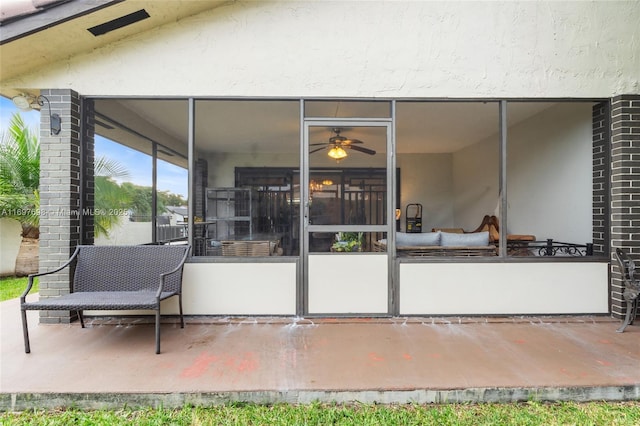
362 149
351 141
318 149
318 144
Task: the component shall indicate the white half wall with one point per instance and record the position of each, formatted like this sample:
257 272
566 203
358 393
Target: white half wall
348 283
239 288
391 49
230 289
10 239
126 232
503 288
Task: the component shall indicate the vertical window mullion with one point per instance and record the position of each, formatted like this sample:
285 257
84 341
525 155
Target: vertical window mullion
503 178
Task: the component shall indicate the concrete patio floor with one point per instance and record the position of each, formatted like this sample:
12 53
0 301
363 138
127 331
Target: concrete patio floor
110 364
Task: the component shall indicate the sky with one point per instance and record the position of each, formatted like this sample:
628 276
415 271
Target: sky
170 178
7 109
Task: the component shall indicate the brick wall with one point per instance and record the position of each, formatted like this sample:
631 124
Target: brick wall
625 187
59 195
87 165
601 171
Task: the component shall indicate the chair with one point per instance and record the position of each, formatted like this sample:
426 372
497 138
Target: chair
631 287
517 244
490 224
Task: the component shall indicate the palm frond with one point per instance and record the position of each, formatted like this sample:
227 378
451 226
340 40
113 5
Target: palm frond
108 167
20 173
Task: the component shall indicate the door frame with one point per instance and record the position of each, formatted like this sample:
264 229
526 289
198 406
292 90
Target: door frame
389 227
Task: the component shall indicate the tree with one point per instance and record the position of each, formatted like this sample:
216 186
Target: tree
167 198
20 176
109 196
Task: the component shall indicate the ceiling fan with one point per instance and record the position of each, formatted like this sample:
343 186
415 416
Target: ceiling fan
337 145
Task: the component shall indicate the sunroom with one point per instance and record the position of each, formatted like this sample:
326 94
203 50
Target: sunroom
282 225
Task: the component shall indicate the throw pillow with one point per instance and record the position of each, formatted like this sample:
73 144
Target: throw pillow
475 239
404 239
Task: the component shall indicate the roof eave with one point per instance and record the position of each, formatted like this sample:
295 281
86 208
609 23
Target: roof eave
57 13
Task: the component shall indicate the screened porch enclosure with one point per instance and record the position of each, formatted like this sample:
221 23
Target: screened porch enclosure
451 158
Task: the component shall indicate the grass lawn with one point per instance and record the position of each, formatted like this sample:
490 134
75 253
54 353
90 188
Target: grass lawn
12 287
531 413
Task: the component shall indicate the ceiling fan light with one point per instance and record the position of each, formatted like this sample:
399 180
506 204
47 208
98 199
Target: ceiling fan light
337 153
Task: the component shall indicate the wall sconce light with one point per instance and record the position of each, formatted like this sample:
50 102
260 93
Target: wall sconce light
398 214
27 102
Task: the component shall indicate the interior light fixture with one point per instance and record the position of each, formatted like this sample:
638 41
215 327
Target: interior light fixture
27 102
314 186
337 153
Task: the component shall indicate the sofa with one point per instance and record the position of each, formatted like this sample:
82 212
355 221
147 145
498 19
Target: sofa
440 243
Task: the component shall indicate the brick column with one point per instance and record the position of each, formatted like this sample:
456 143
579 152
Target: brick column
625 188
88 171
59 195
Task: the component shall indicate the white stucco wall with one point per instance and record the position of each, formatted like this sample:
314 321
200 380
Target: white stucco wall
10 239
389 49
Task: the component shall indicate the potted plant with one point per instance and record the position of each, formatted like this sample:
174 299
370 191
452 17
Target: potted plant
348 242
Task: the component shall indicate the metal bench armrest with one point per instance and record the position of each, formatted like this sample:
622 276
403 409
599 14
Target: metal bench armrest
32 276
164 275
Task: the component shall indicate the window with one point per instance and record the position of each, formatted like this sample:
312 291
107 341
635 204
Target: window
448 156
549 178
252 214
122 194
140 163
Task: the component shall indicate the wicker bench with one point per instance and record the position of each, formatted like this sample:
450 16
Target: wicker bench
116 278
